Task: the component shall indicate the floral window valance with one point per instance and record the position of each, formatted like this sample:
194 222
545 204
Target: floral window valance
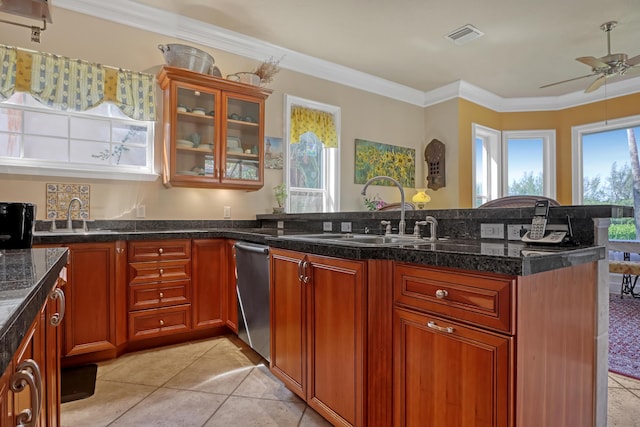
320 123
70 84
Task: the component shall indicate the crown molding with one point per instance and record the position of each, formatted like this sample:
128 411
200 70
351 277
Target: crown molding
134 14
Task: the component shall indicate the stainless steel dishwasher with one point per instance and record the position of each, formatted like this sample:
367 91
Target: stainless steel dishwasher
252 287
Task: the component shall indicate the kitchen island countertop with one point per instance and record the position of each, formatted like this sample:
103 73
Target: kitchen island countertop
513 258
27 276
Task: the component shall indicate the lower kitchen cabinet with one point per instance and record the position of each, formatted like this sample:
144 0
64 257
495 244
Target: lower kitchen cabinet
90 321
229 293
209 280
160 288
30 386
318 332
448 374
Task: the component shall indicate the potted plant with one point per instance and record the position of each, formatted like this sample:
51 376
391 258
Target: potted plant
280 193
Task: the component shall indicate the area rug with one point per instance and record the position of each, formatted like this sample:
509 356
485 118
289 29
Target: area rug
624 335
78 382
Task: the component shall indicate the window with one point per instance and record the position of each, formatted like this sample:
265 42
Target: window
486 164
602 171
529 165
35 139
511 163
312 156
602 162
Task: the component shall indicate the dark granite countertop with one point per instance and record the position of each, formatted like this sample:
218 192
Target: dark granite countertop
27 276
513 258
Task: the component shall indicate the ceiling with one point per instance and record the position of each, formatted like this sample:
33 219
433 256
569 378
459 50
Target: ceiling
526 44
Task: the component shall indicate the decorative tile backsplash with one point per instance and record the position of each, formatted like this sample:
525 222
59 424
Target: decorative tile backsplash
59 196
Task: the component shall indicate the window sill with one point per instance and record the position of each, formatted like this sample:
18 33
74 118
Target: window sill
76 172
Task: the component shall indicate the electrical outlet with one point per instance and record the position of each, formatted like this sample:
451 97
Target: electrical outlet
227 212
492 231
513 231
280 224
327 226
345 227
141 211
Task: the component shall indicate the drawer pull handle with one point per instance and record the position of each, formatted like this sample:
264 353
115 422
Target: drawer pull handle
56 318
161 271
161 322
160 251
28 374
448 329
441 293
161 295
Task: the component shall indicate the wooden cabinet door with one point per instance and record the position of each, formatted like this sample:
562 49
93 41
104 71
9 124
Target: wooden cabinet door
90 324
209 269
288 334
32 348
6 398
53 344
229 293
335 338
449 375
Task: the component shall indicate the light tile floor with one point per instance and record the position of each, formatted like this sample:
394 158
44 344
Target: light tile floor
215 382
221 382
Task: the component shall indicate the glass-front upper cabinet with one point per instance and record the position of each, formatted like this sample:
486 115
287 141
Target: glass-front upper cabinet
244 139
213 131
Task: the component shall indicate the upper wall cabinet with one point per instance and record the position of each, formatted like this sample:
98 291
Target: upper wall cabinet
213 131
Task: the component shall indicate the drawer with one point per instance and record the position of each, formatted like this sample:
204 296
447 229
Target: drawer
158 250
158 322
157 295
481 299
149 272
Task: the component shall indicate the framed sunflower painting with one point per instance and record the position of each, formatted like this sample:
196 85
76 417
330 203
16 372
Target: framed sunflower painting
374 159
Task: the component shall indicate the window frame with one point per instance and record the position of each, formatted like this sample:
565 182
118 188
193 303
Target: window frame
331 156
577 184
548 137
495 158
69 168
491 159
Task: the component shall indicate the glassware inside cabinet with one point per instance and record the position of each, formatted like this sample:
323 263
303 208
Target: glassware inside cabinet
195 132
244 145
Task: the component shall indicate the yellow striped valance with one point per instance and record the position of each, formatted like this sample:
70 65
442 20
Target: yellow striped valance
320 123
71 84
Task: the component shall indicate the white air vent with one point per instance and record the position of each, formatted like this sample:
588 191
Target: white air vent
464 34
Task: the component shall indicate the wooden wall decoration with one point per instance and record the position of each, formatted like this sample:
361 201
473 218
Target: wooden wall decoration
434 155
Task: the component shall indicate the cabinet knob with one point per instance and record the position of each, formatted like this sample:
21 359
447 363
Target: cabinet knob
160 251
441 293
161 271
161 322
119 250
161 294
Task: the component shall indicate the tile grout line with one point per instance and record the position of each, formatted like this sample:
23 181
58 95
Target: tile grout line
228 396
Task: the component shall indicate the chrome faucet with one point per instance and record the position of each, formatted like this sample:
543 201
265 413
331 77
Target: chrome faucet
433 225
402 224
69 222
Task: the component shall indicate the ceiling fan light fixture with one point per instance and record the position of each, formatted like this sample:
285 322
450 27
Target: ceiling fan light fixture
464 35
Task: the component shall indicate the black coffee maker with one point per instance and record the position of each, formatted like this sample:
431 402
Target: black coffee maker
16 225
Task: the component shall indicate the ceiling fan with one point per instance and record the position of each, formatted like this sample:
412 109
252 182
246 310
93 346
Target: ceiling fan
613 64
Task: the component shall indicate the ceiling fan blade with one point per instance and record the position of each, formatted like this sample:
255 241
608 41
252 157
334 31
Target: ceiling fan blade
596 84
633 71
569 80
592 62
634 61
